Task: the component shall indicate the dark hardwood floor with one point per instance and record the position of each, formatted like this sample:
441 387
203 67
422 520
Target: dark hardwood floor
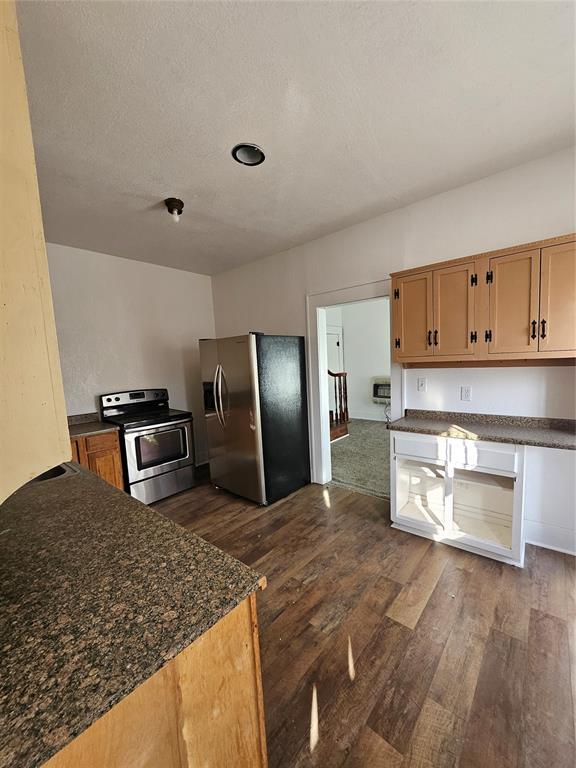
458 660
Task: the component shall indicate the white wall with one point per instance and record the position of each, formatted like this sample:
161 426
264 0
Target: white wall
530 202
124 324
366 332
538 391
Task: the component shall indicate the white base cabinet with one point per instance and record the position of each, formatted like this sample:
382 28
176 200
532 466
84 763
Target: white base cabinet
466 493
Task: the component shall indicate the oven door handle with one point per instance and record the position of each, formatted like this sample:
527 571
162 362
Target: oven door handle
151 428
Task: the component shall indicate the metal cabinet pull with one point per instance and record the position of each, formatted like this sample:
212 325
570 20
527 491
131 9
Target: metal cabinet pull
435 338
533 334
429 338
543 332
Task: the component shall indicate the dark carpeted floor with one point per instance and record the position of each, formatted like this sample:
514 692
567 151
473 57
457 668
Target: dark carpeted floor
362 460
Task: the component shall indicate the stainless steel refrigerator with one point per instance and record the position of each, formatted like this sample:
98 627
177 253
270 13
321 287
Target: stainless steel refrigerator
256 412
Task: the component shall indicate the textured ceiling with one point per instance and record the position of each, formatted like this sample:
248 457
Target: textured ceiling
360 107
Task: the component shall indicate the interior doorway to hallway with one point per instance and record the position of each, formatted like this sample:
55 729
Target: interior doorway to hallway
358 380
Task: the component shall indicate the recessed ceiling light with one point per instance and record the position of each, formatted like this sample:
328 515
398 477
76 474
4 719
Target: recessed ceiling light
248 154
175 207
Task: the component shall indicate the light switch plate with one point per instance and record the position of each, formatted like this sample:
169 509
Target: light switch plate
421 384
466 393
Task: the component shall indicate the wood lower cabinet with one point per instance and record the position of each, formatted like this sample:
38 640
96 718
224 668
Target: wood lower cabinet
514 304
513 285
100 454
557 327
203 708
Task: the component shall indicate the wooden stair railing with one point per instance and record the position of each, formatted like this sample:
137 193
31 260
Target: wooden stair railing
339 416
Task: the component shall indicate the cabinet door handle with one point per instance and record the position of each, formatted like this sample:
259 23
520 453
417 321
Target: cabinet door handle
543 332
435 338
429 338
533 334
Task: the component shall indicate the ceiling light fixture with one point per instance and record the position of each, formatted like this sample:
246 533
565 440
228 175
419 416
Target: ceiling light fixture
248 154
175 207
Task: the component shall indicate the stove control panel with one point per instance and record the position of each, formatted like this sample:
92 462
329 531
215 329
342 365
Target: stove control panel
135 397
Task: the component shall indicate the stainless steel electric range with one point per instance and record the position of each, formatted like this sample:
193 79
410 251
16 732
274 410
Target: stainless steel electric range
157 442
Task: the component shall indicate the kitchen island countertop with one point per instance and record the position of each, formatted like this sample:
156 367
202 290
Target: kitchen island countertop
98 592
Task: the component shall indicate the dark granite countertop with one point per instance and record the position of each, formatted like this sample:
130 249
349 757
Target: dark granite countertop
98 591
518 430
90 428
88 424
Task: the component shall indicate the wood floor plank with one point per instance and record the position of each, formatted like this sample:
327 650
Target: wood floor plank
330 671
395 715
406 556
454 683
437 739
494 734
549 733
512 614
480 664
552 580
345 704
371 750
478 606
408 606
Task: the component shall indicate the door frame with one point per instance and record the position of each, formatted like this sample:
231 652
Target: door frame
317 363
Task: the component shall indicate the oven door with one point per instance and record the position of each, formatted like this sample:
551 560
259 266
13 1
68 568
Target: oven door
153 450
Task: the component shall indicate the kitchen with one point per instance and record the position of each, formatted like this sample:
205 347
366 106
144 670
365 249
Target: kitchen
335 636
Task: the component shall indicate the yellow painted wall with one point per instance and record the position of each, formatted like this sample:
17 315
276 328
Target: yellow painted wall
33 426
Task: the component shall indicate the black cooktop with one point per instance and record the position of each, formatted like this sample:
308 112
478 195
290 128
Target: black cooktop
147 418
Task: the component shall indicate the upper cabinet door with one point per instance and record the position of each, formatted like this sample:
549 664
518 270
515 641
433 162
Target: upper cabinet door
557 329
412 336
453 310
33 426
514 302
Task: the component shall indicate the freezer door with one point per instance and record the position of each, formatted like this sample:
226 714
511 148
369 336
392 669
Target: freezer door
231 407
284 414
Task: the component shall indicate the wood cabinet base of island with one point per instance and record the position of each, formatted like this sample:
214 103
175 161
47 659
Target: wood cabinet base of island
204 707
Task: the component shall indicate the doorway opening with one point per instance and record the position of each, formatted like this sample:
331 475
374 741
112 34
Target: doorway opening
358 383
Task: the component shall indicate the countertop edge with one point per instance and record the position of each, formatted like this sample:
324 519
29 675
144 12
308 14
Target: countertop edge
91 428
398 426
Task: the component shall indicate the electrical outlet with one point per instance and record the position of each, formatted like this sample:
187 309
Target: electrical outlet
466 393
421 384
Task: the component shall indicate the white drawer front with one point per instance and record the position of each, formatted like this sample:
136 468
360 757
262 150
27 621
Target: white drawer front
475 455
422 446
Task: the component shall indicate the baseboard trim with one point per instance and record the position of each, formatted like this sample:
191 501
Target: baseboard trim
549 536
549 546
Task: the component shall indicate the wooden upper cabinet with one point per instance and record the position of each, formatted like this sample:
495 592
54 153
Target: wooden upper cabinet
413 316
557 327
514 304
33 424
514 282
454 310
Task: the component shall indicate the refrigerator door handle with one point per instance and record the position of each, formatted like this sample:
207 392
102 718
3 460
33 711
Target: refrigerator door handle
222 411
216 383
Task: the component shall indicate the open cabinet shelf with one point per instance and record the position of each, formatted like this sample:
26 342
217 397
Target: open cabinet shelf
483 507
420 493
477 506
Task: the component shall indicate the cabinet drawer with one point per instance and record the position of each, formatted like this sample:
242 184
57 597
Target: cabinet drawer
101 442
474 455
422 446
